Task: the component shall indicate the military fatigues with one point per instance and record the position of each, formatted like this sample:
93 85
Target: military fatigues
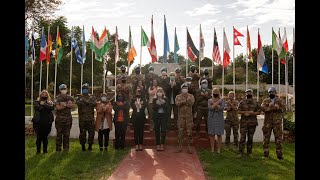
86 105
194 86
125 89
272 121
209 79
63 122
232 122
248 123
201 107
184 101
134 78
119 77
149 78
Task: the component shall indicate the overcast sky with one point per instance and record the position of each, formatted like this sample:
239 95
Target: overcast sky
218 14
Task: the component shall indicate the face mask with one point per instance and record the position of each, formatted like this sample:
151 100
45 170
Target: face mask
138 71
188 83
63 91
215 95
159 94
104 99
192 70
206 73
123 81
151 71
85 91
249 96
44 98
123 71
171 78
120 98
184 90
204 86
272 96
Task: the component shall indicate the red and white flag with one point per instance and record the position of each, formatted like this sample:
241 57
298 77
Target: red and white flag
226 50
152 45
236 33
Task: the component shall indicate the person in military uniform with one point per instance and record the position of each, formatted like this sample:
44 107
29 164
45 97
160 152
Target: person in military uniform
63 122
184 102
86 104
164 81
195 79
273 108
123 74
179 78
232 120
207 77
150 76
201 104
124 88
134 78
249 109
188 82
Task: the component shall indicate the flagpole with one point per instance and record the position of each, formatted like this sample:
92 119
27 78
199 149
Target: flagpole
248 58
272 57
104 73
187 53
234 62
128 55
293 71
32 61
48 60
286 79
222 65
140 51
279 75
55 70
115 66
92 71
199 58
40 69
81 78
71 61
258 75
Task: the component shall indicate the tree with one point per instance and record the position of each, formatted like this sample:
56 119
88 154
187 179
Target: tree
170 59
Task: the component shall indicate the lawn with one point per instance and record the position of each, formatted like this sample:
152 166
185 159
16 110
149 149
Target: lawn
227 166
73 165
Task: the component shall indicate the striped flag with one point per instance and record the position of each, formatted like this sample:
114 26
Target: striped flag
132 51
202 45
26 48
261 60
216 53
43 46
191 48
76 49
59 50
49 49
116 42
33 52
152 44
249 46
84 47
226 50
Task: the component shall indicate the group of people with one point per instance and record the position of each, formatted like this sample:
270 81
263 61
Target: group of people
189 99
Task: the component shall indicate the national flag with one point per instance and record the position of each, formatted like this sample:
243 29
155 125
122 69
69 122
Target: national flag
94 45
76 49
144 38
249 46
215 52
59 50
191 48
116 42
202 45
166 47
43 47
226 50
176 47
236 33
152 46
276 43
26 48
261 60
49 49
33 52
281 55
285 48
84 47
104 42
132 51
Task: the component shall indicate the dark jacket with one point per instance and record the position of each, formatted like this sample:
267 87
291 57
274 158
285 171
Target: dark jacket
45 117
165 107
125 107
138 116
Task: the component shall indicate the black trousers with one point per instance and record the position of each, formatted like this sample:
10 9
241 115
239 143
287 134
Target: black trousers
42 137
160 127
103 134
138 131
120 134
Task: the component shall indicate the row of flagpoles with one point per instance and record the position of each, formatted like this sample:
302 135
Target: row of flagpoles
101 45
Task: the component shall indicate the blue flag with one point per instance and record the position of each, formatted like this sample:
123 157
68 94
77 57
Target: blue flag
26 48
176 46
166 47
84 48
76 49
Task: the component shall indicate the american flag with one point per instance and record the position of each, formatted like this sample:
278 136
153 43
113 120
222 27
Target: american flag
216 53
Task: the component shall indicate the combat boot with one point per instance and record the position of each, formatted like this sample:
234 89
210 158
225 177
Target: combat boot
90 147
83 147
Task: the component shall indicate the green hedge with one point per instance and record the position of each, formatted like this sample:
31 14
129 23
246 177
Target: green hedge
289 121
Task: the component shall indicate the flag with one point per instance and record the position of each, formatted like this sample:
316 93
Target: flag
94 45
33 52
281 56
132 51
176 46
144 38
215 52
84 48
276 43
104 42
202 45
43 47
192 50
249 46
49 49
166 47
261 60
236 33
226 50
26 47
59 50
285 48
117 46
152 46
76 49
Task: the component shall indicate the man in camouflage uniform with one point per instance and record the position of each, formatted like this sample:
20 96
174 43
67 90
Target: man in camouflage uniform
63 122
184 102
232 120
124 88
249 109
86 104
202 96
273 108
179 78
194 84
134 78
150 77
164 81
123 74
207 77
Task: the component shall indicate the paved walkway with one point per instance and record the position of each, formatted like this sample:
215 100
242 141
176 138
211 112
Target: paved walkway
151 164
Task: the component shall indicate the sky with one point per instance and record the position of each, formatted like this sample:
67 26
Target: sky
181 14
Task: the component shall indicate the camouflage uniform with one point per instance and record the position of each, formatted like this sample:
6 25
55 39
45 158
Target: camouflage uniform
149 78
164 84
86 105
194 87
184 101
201 105
248 123
120 76
209 79
134 78
125 89
63 122
272 121
232 121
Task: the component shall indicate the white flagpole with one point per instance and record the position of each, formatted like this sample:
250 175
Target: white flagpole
32 61
234 66
115 65
47 59
286 75
40 69
92 71
293 72
222 65
279 75
199 58
55 71
104 72
272 57
258 76
71 62
81 78
187 53
140 50
247 59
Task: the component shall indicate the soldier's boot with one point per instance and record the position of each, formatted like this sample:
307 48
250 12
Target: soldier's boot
90 147
266 153
279 155
83 147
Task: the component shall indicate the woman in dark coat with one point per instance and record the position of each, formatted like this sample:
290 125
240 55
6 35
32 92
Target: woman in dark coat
42 120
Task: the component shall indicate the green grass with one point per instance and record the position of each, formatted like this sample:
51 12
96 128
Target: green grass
73 165
226 166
